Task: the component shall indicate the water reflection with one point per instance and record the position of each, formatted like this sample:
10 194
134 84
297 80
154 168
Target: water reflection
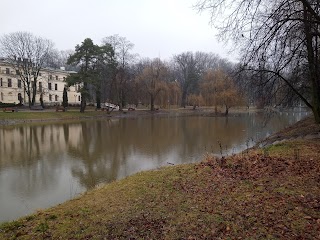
44 165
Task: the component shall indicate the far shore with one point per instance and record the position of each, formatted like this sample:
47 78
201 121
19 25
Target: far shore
24 115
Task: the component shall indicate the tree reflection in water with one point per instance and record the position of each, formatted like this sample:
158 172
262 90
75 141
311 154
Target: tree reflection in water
39 162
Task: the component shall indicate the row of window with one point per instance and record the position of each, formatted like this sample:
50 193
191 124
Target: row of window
50 86
7 71
9 84
2 98
56 97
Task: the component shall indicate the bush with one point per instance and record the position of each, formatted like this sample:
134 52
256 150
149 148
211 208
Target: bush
5 105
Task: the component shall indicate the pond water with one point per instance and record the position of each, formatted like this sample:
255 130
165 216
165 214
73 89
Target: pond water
46 164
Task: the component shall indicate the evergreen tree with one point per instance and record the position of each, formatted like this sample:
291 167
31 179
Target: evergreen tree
86 58
65 98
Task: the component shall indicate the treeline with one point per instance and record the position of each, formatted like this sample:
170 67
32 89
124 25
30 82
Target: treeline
112 72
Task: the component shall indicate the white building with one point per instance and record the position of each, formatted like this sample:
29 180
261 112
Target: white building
50 83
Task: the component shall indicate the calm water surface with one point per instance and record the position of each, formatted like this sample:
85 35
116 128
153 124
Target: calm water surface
43 165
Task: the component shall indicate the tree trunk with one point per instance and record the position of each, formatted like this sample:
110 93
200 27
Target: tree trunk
65 98
313 65
184 98
316 107
227 111
151 102
29 96
34 92
83 103
41 100
119 101
98 99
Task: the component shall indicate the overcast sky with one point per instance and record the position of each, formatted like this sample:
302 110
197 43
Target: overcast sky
157 28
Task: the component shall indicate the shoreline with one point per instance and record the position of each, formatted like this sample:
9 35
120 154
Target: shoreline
207 112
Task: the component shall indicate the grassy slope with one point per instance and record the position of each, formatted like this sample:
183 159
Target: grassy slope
269 193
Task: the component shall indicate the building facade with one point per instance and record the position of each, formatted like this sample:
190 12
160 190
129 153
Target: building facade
50 83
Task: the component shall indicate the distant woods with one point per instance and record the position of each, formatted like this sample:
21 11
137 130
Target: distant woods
112 72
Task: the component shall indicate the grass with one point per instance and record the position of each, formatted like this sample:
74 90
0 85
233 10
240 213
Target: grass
48 115
249 196
74 113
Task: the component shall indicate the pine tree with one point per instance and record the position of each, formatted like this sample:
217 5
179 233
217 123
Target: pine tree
65 98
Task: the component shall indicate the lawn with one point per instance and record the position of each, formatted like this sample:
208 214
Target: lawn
30 115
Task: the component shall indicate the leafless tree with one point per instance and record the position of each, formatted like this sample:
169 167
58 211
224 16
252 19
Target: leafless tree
278 37
58 59
153 79
187 74
121 75
190 67
27 54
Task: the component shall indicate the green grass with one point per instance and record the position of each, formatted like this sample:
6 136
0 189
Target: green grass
49 115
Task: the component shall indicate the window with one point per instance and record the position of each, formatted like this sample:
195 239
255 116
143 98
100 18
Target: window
79 98
56 98
49 86
40 74
19 97
17 72
9 82
55 86
64 79
57 78
40 86
1 82
7 70
50 77
1 96
19 83
50 97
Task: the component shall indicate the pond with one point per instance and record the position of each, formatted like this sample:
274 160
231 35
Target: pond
45 164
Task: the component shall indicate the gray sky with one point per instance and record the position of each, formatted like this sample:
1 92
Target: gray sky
156 27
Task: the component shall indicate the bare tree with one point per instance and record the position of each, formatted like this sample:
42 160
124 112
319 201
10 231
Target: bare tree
218 88
278 37
124 58
27 54
190 67
153 79
187 74
58 59
122 48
